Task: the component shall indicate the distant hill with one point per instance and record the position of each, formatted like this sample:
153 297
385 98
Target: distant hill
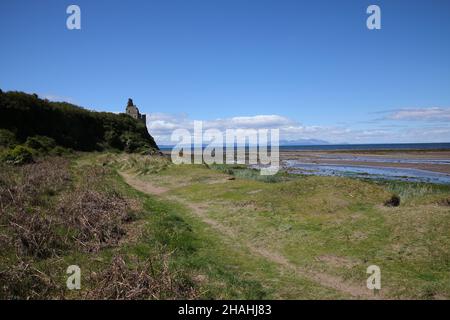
26 115
282 143
303 142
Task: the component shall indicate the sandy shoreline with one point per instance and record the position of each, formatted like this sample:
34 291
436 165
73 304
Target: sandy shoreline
391 159
375 158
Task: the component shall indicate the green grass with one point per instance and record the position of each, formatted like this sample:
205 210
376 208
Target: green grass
422 192
243 172
333 224
226 269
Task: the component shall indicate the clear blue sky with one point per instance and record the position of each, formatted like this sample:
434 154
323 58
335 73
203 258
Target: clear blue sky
312 62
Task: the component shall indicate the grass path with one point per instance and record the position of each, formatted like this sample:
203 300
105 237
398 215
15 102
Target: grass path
200 211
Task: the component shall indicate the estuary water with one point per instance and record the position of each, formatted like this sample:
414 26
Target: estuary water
369 172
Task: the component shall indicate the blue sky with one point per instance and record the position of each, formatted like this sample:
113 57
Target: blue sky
311 68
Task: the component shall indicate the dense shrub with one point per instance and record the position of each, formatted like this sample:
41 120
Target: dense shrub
70 126
7 138
113 139
40 143
59 151
18 156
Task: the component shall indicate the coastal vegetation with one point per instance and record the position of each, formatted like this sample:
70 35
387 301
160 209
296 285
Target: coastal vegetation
324 231
140 227
43 126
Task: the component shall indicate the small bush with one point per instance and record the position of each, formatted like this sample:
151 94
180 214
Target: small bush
394 201
112 138
7 138
59 151
18 156
40 143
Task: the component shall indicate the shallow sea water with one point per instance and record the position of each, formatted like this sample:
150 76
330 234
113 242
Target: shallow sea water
370 172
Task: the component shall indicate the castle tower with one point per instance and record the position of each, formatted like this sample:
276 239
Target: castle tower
133 111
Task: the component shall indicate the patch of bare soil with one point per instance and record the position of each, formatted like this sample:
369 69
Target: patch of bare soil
336 261
218 181
254 191
143 186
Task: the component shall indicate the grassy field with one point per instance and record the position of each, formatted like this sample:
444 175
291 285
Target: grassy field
324 231
140 227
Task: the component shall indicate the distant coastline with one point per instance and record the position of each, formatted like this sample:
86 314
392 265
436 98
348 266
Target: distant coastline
378 146
353 147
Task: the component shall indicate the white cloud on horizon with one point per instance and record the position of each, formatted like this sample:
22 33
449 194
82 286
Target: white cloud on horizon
420 114
161 126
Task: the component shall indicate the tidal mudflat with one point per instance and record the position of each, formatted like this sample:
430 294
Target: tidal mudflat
416 166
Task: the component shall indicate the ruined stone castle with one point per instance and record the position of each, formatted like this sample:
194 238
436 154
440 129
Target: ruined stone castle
133 111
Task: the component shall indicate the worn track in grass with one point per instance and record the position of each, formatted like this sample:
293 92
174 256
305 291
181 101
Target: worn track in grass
324 279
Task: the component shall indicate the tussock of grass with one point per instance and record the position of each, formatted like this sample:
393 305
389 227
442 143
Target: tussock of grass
243 172
414 193
393 201
410 190
143 164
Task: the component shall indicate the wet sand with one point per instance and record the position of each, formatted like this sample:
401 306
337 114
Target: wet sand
435 161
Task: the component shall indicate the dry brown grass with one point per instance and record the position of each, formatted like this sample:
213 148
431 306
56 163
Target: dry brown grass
149 279
47 215
29 185
24 207
37 227
444 202
24 281
29 232
95 217
35 235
